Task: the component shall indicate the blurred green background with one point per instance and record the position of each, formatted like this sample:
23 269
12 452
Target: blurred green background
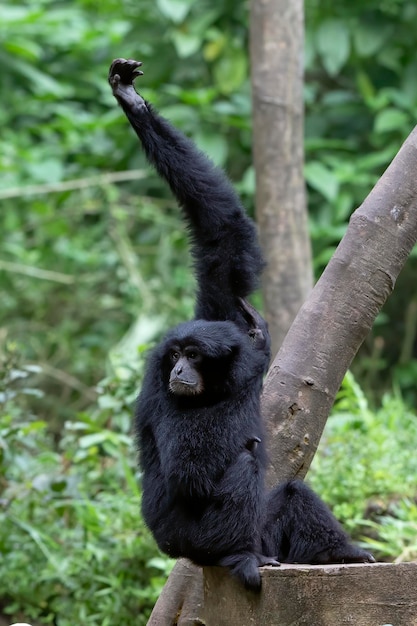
94 261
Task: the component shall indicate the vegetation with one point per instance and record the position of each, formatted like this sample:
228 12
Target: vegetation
94 264
366 469
77 551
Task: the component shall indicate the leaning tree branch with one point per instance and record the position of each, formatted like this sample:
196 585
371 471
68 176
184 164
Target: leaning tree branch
321 343
335 319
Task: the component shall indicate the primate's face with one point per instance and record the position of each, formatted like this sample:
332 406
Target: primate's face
185 378
198 361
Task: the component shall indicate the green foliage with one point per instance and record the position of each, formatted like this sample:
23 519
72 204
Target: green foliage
395 532
74 547
79 248
85 263
61 120
366 469
361 99
361 104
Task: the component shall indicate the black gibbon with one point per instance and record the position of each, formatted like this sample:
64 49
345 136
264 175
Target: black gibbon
198 422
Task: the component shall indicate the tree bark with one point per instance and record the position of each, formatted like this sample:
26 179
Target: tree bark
276 49
326 334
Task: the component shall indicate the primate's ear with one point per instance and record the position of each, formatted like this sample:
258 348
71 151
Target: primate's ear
257 326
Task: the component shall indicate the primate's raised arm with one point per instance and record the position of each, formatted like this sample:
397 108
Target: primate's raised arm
227 257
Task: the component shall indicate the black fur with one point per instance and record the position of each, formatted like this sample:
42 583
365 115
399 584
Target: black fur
202 448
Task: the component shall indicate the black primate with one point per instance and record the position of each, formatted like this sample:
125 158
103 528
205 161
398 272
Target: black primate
198 423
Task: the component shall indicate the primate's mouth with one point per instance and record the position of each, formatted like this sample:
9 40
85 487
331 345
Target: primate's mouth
184 387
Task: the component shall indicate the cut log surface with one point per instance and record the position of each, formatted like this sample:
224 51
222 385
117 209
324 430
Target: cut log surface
379 594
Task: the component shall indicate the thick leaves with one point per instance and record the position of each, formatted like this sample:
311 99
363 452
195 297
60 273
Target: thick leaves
333 44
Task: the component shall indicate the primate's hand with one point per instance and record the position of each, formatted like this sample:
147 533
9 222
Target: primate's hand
122 74
124 71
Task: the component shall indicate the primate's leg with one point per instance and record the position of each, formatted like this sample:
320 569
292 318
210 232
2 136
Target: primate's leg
231 525
301 529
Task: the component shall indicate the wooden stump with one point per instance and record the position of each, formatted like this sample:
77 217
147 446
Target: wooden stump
377 594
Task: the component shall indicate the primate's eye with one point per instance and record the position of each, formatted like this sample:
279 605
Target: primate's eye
192 354
174 356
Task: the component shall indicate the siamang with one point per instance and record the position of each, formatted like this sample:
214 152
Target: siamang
198 422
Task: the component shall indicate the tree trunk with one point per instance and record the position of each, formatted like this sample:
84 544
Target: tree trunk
276 48
325 336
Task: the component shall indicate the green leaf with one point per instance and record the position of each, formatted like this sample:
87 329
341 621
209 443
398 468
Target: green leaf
92 440
49 170
26 49
41 82
215 47
322 179
365 85
185 43
333 44
175 10
15 14
369 38
390 119
213 145
231 70
247 185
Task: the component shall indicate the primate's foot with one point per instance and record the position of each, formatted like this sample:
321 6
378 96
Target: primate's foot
245 566
346 554
267 560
